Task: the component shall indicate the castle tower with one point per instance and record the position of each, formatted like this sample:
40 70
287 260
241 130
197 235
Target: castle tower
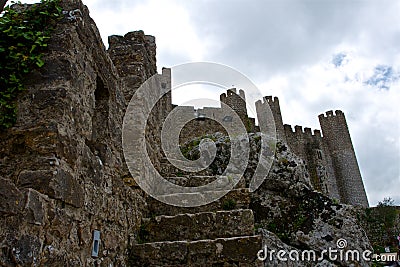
237 102
134 56
263 117
336 136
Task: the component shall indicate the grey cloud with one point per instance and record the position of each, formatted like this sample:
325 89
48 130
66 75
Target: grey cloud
279 36
377 160
272 35
115 5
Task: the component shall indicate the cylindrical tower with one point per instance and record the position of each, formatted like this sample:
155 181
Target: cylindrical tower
348 177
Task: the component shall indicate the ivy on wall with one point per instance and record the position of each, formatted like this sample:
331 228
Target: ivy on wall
25 31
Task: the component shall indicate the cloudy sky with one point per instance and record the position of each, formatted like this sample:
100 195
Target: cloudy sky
314 55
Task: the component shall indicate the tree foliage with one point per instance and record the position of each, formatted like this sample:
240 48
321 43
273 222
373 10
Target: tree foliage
24 35
382 224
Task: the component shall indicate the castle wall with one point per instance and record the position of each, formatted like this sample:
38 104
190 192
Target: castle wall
62 170
235 101
310 147
333 190
330 159
201 126
276 112
338 141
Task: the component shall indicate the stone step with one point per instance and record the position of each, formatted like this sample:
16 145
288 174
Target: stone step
234 251
205 225
234 199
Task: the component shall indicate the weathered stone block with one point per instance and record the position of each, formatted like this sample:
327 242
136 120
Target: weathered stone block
26 251
238 251
11 198
205 225
234 199
35 207
48 98
234 223
57 184
159 254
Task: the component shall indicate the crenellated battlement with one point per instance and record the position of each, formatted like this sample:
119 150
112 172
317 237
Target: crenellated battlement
203 123
270 99
299 130
237 102
331 114
317 133
232 92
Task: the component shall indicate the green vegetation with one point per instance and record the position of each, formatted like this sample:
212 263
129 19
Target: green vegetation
24 36
229 204
187 147
377 264
230 179
388 214
381 227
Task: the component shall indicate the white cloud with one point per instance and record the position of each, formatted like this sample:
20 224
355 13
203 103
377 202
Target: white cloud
169 22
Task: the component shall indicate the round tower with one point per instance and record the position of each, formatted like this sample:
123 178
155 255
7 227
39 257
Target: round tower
338 141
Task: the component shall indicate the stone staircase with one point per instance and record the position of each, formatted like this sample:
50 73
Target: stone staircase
221 233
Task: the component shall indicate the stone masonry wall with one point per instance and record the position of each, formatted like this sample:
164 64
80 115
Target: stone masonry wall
237 102
62 161
310 147
201 126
